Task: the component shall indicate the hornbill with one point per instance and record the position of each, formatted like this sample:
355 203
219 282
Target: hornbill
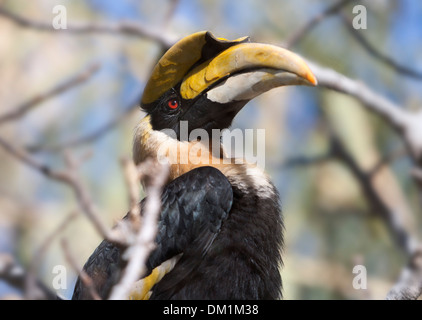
220 231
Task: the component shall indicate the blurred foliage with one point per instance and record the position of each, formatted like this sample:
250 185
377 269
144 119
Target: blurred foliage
329 226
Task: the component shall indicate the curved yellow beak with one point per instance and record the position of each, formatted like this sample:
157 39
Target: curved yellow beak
282 67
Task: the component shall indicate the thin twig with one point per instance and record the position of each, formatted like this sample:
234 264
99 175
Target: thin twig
302 32
30 281
307 160
87 281
373 51
88 138
69 177
132 179
409 284
389 158
406 123
128 28
333 80
400 234
23 108
403 237
15 275
137 254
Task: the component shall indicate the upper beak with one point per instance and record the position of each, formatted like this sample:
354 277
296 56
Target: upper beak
254 67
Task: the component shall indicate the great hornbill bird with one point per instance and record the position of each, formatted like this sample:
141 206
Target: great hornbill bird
220 231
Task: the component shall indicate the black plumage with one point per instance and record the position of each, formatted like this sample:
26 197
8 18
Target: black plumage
193 209
243 260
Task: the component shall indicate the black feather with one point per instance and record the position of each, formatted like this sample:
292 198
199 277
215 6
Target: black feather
193 208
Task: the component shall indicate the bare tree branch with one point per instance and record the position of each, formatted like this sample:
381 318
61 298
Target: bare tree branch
81 273
132 178
308 160
15 275
155 176
391 157
88 138
400 234
138 245
30 281
128 28
333 80
69 177
337 150
409 284
390 62
302 32
408 125
405 122
23 108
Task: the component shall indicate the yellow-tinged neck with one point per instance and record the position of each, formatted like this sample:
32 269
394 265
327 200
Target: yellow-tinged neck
185 156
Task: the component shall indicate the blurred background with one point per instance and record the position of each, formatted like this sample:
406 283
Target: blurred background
330 226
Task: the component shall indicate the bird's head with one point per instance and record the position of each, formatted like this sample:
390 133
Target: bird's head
206 80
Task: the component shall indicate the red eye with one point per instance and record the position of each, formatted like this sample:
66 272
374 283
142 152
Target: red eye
173 104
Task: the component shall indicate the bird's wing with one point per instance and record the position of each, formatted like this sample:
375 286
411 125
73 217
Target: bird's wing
193 208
